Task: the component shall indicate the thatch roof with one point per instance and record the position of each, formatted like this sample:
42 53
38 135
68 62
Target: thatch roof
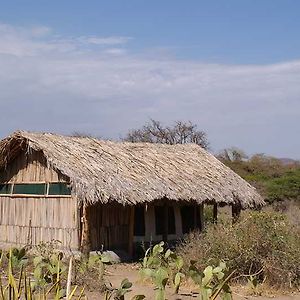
131 173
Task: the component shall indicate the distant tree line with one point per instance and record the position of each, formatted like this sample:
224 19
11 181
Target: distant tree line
275 179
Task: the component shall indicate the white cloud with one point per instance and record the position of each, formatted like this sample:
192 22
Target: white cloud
57 84
106 41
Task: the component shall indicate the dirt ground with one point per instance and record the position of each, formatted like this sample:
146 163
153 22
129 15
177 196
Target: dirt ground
116 273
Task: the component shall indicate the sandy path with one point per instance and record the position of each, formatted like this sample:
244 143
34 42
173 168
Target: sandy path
116 273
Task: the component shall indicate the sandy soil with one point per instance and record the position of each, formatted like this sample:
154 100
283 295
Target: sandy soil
116 273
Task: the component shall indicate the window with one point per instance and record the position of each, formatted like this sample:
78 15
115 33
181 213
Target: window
159 220
29 189
5 189
190 218
35 189
139 221
59 188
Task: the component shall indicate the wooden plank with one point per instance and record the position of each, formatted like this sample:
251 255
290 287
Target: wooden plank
131 231
86 232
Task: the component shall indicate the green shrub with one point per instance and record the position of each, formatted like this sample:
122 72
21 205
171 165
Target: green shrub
275 180
262 243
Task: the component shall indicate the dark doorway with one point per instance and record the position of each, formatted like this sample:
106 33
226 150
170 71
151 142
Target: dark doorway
190 218
159 220
139 220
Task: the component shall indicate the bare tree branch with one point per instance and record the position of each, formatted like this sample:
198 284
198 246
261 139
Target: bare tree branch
179 133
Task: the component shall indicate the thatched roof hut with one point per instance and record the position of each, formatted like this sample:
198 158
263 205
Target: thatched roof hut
102 172
132 173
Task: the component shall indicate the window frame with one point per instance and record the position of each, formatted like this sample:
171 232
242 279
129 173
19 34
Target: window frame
10 191
45 195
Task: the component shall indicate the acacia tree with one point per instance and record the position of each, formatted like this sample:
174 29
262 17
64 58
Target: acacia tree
179 133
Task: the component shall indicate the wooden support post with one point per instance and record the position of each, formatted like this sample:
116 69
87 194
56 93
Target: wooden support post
236 212
215 213
131 231
79 225
86 235
166 221
201 212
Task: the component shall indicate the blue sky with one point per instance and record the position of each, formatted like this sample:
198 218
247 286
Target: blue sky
234 31
232 67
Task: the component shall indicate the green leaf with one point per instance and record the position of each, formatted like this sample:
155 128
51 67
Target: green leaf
220 275
138 297
168 253
179 262
160 294
177 280
52 269
217 270
159 248
226 296
126 284
208 275
205 293
37 273
146 272
195 275
161 277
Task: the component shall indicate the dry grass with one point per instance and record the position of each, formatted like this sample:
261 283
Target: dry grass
263 243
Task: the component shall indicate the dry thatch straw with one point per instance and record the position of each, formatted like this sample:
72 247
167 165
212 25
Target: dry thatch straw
131 173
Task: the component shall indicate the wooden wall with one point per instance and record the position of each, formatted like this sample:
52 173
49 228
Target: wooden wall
109 225
32 219
30 168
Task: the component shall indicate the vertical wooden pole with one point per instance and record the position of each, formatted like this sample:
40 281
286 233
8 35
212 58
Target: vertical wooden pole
79 225
215 213
201 212
86 235
236 212
131 231
166 221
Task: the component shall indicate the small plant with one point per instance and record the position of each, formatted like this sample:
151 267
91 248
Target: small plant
253 285
95 263
211 282
17 257
20 287
119 293
162 266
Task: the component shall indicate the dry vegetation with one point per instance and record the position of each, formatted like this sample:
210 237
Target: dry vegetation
264 244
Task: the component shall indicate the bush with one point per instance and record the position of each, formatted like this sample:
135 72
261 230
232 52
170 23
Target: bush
274 179
262 243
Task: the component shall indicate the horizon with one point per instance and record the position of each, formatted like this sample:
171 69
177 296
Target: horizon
104 68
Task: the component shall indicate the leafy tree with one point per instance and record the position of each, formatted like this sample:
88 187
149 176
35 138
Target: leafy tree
179 133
